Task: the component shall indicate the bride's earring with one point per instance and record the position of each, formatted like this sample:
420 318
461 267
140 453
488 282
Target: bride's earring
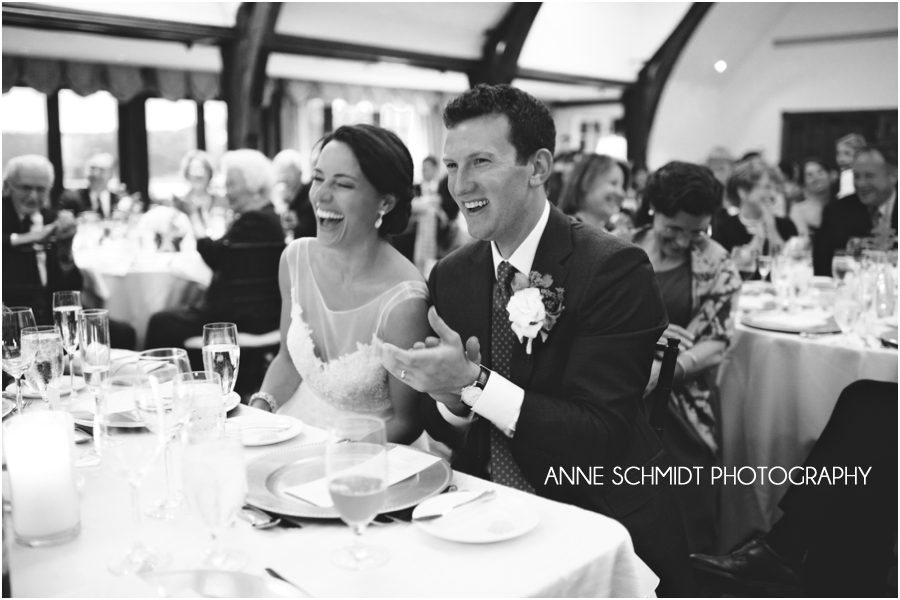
379 219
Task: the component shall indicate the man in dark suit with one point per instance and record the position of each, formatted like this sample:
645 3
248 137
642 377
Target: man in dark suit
248 185
871 211
567 393
96 196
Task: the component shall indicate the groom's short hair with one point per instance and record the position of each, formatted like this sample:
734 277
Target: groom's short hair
531 125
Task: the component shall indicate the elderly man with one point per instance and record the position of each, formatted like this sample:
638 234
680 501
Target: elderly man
298 215
248 187
37 244
563 320
96 196
871 211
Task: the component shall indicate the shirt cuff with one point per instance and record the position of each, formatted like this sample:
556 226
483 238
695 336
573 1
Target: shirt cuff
454 419
500 403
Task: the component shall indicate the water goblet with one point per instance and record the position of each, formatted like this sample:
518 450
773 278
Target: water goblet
43 345
216 483
15 361
356 470
221 353
130 420
66 309
843 267
764 265
203 390
744 258
164 365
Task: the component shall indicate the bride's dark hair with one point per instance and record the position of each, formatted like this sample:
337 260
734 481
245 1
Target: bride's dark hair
386 163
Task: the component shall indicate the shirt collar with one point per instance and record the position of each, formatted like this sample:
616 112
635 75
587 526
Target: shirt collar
887 208
523 257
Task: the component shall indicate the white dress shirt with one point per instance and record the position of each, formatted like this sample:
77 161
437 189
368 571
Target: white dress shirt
501 400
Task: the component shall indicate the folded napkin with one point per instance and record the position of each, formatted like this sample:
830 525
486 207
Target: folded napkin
403 463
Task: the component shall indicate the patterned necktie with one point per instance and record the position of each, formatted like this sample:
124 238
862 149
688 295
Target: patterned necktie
503 467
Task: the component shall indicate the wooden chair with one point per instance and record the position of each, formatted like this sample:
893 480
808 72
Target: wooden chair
248 286
659 397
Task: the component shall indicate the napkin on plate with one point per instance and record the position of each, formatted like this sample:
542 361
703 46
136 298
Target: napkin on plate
403 463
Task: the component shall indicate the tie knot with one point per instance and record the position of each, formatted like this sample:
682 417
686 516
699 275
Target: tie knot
505 272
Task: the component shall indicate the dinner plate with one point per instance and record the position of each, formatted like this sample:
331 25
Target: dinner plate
269 475
30 393
814 321
8 407
219 584
503 518
265 429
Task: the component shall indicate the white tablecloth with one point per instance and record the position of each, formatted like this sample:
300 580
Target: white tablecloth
572 552
777 393
136 285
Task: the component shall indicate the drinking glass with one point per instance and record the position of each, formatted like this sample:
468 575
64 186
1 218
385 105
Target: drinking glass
43 345
843 266
164 364
783 280
66 308
95 359
221 353
847 309
216 483
744 258
203 390
15 361
356 470
130 420
764 265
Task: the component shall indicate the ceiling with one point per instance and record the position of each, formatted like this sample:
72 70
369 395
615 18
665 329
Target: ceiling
591 40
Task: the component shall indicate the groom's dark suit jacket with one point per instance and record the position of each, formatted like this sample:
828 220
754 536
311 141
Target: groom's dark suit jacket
583 385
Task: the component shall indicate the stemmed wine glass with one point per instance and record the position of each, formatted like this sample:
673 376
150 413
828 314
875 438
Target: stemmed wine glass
843 267
164 365
130 420
43 345
221 353
216 482
847 309
15 361
356 470
95 362
744 258
66 309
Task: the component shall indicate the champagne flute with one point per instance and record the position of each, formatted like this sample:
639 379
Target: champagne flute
95 360
15 361
356 470
216 483
43 345
221 353
66 308
130 420
164 365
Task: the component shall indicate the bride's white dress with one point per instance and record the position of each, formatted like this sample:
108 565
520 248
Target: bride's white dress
336 352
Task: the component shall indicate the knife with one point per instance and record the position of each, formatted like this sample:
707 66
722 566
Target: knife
484 496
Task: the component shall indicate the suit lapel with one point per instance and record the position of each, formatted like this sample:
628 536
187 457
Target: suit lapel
555 246
478 284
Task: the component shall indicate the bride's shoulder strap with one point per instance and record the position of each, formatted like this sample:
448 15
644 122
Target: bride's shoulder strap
400 293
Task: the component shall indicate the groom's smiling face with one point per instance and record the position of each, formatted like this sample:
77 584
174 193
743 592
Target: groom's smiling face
487 181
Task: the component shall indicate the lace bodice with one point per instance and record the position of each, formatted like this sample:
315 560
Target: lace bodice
336 352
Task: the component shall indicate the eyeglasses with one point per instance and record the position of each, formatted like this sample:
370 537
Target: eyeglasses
40 190
697 235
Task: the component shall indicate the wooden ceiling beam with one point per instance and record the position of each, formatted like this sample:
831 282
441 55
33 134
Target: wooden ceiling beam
571 79
500 53
54 18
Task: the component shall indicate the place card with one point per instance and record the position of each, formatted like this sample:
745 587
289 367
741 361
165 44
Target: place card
403 463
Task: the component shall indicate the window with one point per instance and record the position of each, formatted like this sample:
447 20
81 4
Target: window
23 113
343 113
88 126
171 133
410 126
216 120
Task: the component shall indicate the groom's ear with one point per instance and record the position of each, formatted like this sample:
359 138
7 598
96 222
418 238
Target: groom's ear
542 167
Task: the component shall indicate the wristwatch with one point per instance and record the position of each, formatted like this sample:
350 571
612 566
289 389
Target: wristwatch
472 392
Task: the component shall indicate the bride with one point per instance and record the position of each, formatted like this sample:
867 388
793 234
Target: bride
347 290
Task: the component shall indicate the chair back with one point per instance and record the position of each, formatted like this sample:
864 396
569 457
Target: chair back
659 398
248 285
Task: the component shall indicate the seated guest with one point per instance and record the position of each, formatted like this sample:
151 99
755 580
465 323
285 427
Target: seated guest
753 187
297 213
198 202
595 190
833 540
37 244
248 185
816 185
96 196
698 282
871 211
845 149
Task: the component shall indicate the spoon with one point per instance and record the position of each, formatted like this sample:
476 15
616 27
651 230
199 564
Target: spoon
257 518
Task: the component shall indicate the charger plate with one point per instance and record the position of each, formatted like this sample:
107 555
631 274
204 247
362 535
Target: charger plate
269 475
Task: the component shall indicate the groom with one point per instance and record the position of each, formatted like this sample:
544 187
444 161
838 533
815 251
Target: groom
561 373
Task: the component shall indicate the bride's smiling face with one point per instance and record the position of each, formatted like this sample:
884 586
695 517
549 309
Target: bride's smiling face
346 204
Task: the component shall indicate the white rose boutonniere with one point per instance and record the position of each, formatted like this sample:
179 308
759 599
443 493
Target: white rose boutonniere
534 306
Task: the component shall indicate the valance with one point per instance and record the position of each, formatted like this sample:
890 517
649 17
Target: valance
423 100
124 82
